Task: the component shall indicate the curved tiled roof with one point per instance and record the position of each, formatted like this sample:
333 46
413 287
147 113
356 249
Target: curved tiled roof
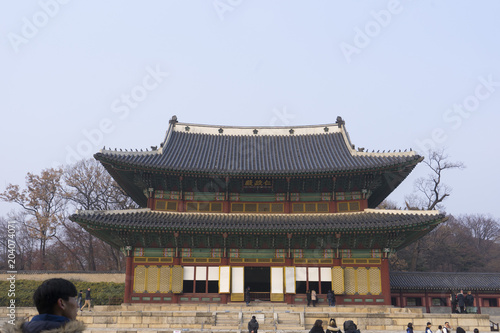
445 281
257 150
367 221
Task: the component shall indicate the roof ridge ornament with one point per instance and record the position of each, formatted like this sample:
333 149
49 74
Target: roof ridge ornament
173 121
340 122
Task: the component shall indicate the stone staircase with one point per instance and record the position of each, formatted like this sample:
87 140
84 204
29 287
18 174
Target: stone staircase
280 318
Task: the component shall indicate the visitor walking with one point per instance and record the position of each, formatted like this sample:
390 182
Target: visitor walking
409 328
87 300
440 329
308 297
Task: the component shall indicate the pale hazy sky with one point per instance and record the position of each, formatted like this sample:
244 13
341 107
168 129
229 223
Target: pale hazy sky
80 75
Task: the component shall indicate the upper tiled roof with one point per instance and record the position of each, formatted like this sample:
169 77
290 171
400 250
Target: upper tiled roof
367 221
445 281
258 150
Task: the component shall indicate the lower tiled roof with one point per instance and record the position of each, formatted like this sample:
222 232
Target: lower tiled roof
368 220
445 281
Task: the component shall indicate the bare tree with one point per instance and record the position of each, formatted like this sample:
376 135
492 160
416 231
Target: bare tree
484 229
431 191
42 203
432 187
90 187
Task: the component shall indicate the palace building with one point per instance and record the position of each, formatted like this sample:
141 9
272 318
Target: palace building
281 210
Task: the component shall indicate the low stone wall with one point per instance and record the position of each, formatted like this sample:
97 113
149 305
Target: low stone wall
77 276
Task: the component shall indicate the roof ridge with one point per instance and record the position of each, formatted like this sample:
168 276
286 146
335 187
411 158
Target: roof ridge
397 211
366 211
113 211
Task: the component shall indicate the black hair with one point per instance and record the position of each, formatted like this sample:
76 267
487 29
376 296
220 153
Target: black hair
410 325
47 294
332 323
460 330
318 323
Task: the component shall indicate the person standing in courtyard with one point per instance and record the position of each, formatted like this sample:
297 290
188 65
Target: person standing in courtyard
55 301
453 302
79 299
331 298
469 302
247 296
409 328
253 325
314 297
308 297
461 301
87 300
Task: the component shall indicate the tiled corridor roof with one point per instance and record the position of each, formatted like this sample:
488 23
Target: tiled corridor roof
445 281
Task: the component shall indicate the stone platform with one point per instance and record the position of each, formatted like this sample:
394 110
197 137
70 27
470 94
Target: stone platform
151 318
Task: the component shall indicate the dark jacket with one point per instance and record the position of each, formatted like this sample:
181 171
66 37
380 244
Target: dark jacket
253 325
87 295
317 329
461 299
469 300
47 323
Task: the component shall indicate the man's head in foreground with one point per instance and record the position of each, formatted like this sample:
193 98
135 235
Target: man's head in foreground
56 297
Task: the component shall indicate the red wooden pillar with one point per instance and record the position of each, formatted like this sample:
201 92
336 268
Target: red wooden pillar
129 277
427 303
226 205
386 281
151 200
364 204
478 302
